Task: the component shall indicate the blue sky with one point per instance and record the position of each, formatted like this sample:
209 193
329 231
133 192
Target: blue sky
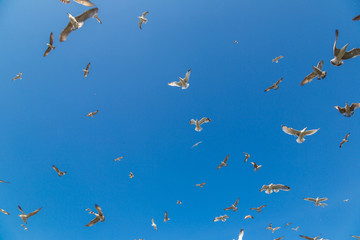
145 120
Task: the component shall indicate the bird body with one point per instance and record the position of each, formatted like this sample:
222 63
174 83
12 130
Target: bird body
276 60
86 70
271 228
201 185
256 167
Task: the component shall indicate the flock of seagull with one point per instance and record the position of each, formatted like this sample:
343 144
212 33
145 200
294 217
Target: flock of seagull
348 110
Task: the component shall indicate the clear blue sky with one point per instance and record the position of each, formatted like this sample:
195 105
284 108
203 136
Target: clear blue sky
142 118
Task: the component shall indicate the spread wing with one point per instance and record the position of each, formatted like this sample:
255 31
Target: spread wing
340 109
279 81
335 49
352 53
87 14
95 220
226 158
309 238
308 78
290 131
5 212
310 199
98 208
264 187
320 64
187 76
204 120
47 51
241 234
86 3
269 88
140 24
56 169
65 1
357 18
282 187
1 181
354 106
21 209
347 135
65 33
51 38
323 199
236 202
144 14
34 212
175 84
94 113
311 132
88 66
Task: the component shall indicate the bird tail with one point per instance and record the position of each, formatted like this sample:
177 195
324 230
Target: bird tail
198 129
300 140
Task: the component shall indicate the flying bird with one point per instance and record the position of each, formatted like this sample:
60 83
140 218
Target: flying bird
1 181
183 82
275 86
98 216
348 111
317 72
60 173
295 229
4 212
342 54
166 218
271 228
86 70
345 140
77 22
356 237
221 218
198 123
25 217
310 238
236 42
318 201
274 188
142 19
256 167
223 163
288 224
234 206
131 175
153 224
248 216
50 45
241 234
92 114
25 228
201 185
86 3
279 238
18 76
178 202
300 134
276 60
118 159
346 200
247 156
258 209
196 144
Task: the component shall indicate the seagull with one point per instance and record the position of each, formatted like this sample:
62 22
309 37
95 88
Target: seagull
166 218
183 82
86 70
200 185
118 159
241 234
274 187
317 72
86 3
236 42
275 86
342 54
221 218
198 123
60 173
142 19
18 76
92 114
98 216
248 216
223 163
317 201
1 181
348 111
310 238
50 45
288 224
25 217
276 60
356 237
4 212
256 167
345 140
25 228
131 175
196 144
234 206
77 22
346 200
295 229
153 224
178 202
300 134
271 228
246 157
279 238
258 209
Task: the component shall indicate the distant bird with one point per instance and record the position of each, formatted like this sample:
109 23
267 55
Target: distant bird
92 114
50 45
178 202
345 140
342 54
25 228
166 218
300 134
4 212
234 206
236 42
77 22
356 237
223 163
310 238
346 200
279 238
1 181
295 229
25 217
317 72
258 209
118 159
271 228
142 19
348 111
153 224
86 3
248 216
275 86
241 234
196 144
288 224
198 123
256 167
98 216
86 70
201 185
183 82
247 156
60 173
274 188
131 175
221 218
276 60
18 76
318 201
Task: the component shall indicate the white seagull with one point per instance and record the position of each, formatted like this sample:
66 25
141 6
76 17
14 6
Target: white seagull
241 234
271 228
25 217
18 76
234 206
300 134
183 83
142 19
342 54
221 218
274 188
318 201
50 45
86 3
198 123
98 216
153 224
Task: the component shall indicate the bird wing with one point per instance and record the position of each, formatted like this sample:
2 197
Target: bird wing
290 131
140 24
264 187
204 120
229 208
335 49
166 216
347 135
1 181
98 208
269 88
187 76
241 234
51 38
226 158
5 212
279 81
323 199
65 33
282 187
144 13
309 238
254 164
354 106
308 78
21 209
236 202
56 169
357 18
175 84
65 1
311 132
340 109
320 64
87 14
86 3
88 66
34 212
47 51
94 113
310 199
95 220
352 53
